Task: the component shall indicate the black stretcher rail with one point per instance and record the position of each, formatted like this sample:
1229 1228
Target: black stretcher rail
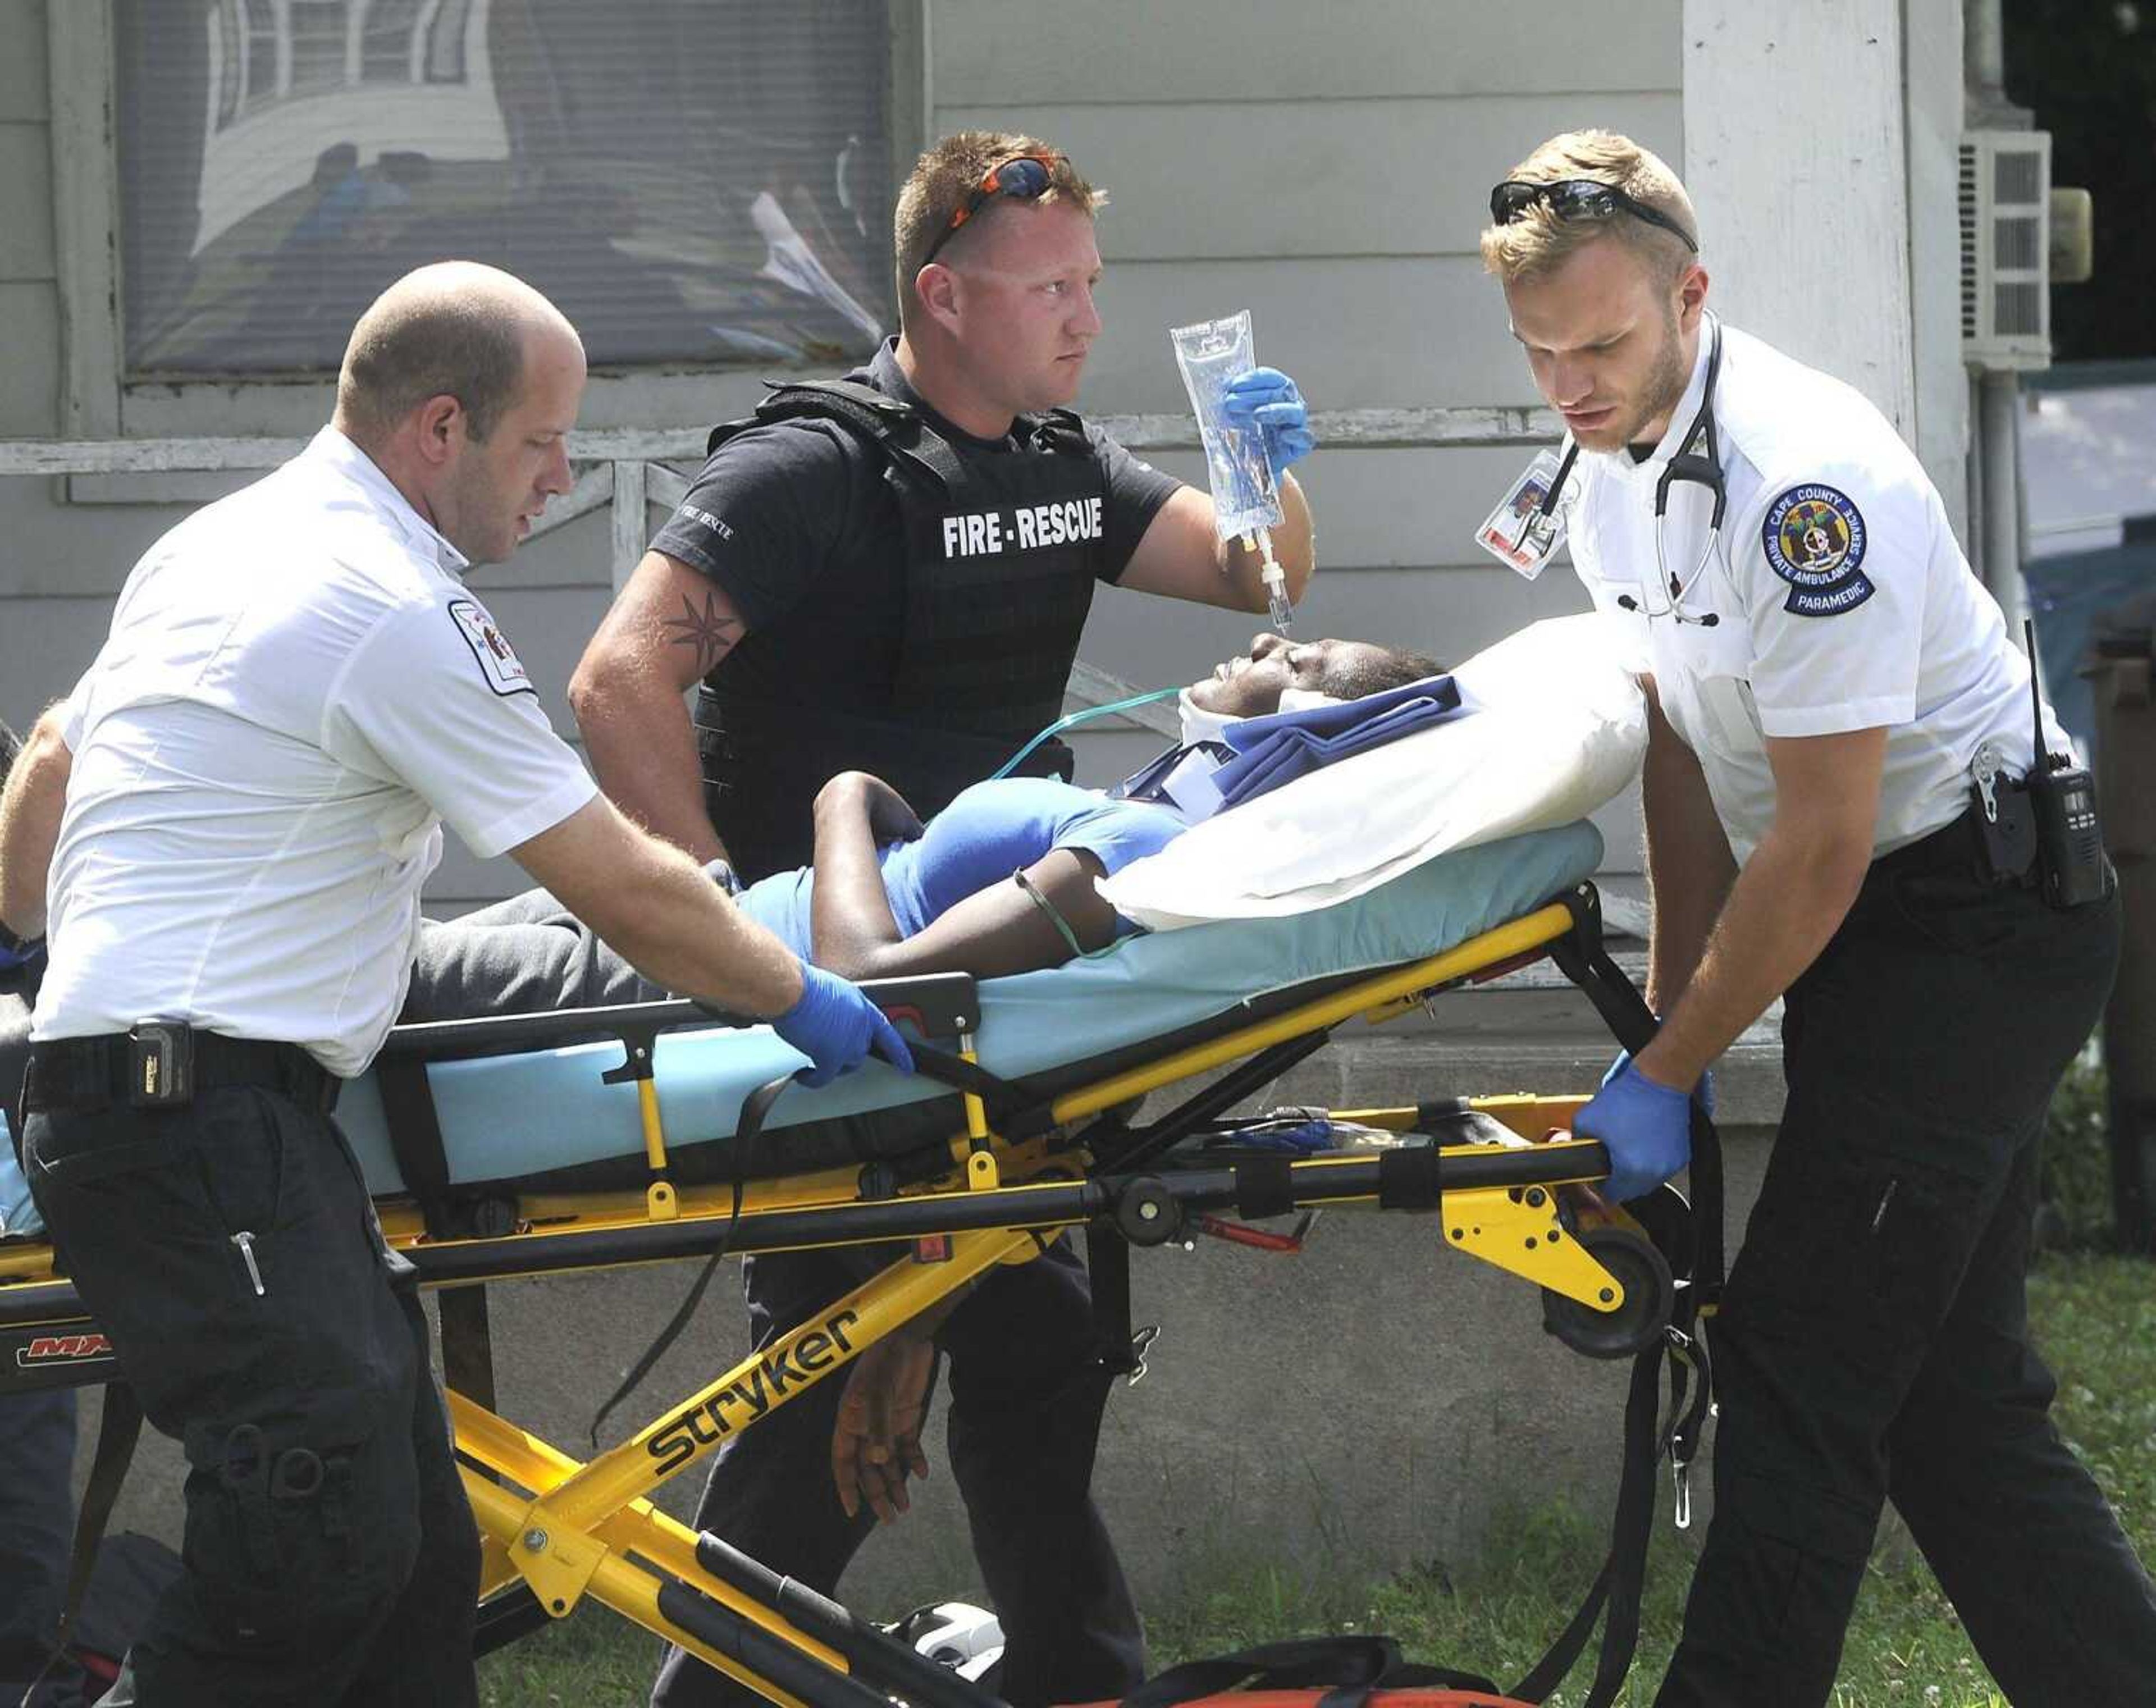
770 1657
872 1653
55 1306
943 1004
1045 1207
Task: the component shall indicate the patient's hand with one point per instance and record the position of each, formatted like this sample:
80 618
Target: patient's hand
876 1445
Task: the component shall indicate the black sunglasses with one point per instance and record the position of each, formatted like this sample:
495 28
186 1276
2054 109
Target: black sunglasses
1578 198
1025 178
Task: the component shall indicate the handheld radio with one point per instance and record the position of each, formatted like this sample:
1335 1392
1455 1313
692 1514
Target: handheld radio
2064 795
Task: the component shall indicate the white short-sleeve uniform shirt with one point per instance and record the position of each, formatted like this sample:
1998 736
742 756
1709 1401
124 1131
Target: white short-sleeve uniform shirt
1839 599
297 690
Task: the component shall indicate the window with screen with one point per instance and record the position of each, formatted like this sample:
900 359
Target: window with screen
694 181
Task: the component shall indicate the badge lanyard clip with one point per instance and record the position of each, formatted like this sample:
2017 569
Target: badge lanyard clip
1524 532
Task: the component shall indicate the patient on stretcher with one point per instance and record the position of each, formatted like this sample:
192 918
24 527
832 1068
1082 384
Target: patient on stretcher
1002 881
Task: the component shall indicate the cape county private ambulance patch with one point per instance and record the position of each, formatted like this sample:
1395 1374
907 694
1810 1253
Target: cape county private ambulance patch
1814 541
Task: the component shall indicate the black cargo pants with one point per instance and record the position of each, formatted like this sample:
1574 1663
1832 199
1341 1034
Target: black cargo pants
1027 1392
1873 1342
330 1553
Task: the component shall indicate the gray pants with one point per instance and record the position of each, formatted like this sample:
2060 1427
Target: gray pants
528 955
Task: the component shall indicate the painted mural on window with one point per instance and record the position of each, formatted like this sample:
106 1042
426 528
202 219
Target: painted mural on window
695 181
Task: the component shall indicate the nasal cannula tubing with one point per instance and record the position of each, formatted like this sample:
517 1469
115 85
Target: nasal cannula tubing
1084 715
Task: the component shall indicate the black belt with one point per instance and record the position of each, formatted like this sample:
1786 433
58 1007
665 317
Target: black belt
82 1075
1956 847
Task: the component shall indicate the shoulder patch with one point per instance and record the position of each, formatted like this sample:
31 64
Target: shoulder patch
497 660
1814 541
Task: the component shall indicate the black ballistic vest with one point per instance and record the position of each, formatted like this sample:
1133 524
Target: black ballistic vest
999 576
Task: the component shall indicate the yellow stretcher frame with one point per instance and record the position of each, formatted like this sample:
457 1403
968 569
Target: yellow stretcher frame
568 1530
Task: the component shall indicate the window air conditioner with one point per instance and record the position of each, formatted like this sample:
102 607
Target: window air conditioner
2005 282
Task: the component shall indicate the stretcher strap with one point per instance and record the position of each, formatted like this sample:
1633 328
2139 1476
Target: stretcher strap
755 1107
1707 1193
1618 1585
1014 1112
1409 1179
415 1136
1264 1186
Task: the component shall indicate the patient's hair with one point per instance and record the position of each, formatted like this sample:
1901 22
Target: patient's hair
949 172
1354 676
1535 243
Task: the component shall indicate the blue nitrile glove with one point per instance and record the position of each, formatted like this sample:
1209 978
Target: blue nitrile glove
836 1027
1702 1094
1267 398
1646 1126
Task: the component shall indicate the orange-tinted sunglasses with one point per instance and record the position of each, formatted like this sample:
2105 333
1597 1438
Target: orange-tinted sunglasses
1024 178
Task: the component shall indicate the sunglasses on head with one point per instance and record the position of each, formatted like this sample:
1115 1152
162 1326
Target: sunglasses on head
1578 198
1024 178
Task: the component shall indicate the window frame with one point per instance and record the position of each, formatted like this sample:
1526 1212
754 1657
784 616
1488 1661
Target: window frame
98 398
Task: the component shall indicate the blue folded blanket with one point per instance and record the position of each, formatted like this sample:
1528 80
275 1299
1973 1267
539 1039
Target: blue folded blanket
1273 752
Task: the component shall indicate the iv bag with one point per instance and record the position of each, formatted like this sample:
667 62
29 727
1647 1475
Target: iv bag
1210 354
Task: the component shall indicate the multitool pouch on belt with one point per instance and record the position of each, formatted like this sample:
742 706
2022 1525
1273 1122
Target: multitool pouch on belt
2041 832
2005 826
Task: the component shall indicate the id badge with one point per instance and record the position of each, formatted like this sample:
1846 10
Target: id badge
1516 533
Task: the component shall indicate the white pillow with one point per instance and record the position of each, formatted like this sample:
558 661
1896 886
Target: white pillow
1557 726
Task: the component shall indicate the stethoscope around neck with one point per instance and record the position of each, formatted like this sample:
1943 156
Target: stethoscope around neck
1697 458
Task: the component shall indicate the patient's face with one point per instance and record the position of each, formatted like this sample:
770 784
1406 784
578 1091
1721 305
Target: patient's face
1250 685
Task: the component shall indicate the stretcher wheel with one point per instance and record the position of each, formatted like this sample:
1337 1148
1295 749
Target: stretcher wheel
1636 1323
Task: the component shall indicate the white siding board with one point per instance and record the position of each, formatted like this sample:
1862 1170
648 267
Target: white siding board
190 490
30 376
44 646
26 203
1293 179
1266 50
295 408
1380 334
571 557
23 91
55 551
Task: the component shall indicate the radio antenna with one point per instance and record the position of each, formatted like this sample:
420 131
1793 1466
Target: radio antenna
2039 759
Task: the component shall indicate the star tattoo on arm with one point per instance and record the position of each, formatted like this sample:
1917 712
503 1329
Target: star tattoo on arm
710 631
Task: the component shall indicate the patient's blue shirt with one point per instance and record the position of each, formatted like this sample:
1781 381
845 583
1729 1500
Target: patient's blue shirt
991 830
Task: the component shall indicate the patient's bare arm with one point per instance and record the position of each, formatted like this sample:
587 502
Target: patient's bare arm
994 932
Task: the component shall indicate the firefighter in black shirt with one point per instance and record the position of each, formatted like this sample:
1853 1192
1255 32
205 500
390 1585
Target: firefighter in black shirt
890 574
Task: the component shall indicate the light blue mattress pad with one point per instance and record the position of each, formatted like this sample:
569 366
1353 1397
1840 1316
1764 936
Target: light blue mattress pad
504 1116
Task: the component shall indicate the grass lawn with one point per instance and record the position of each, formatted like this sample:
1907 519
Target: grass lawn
2095 1322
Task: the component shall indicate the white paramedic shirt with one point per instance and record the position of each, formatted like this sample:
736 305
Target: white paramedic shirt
296 692
1839 597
